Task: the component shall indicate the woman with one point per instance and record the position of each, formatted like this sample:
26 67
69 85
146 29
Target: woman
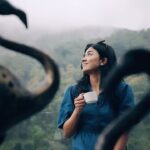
84 122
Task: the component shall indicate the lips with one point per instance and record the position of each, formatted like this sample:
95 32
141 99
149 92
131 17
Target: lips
84 64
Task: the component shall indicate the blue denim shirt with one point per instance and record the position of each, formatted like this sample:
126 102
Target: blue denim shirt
95 116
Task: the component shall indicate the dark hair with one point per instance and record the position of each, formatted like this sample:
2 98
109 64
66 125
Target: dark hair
105 51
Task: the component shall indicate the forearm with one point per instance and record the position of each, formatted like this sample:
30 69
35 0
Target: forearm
121 143
69 126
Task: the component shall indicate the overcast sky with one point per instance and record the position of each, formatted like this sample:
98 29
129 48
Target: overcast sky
62 14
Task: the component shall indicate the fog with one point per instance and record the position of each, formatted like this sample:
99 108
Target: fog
68 14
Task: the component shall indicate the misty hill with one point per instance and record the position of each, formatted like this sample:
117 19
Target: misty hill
66 48
10 30
69 44
49 39
58 44
123 40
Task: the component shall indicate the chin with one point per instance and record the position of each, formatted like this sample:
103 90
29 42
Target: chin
85 71
89 71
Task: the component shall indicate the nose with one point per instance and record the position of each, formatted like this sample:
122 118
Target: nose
84 59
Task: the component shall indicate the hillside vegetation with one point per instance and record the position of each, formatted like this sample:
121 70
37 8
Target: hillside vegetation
66 48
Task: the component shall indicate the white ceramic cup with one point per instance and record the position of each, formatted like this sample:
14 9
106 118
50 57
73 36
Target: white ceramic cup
90 97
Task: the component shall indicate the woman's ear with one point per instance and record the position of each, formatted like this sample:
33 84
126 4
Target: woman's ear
103 61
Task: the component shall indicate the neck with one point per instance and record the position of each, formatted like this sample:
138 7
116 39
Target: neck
95 80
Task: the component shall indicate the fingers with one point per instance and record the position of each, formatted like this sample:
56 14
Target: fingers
79 102
80 97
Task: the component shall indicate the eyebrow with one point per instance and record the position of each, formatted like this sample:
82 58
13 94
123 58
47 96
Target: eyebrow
89 51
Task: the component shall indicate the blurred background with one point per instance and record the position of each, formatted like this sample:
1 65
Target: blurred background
62 28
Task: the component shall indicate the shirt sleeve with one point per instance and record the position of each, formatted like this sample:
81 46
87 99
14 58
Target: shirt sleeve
66 107
126 97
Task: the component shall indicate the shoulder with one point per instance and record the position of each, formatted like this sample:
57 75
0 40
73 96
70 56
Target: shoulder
123 86
125 96
72 90
125 93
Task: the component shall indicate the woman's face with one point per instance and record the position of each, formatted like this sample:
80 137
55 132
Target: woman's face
91 60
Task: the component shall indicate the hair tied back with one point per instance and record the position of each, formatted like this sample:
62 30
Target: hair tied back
101 42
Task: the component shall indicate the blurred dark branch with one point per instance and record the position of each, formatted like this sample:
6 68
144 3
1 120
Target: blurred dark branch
16 102
125 123
8 9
